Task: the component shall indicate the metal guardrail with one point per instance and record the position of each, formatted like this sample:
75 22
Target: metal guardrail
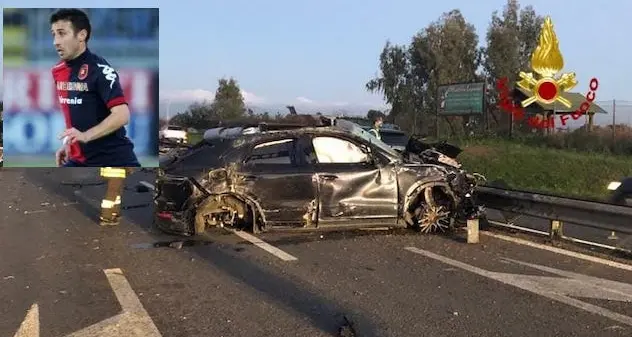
597 215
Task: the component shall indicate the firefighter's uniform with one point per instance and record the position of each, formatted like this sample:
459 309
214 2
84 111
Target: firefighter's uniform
111 204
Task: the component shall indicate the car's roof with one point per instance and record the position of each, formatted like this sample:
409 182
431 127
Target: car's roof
300 124
275 134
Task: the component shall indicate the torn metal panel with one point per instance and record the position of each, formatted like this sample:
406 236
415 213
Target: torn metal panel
362 192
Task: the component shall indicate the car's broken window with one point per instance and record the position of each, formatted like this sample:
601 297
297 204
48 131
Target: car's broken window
336 150
275 152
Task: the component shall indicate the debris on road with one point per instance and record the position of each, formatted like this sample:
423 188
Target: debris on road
347 329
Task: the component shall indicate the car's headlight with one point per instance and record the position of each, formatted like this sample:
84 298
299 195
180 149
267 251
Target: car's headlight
614 185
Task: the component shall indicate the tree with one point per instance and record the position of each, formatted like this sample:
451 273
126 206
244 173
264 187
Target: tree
447 53
393 82
229 102
510 42
444 52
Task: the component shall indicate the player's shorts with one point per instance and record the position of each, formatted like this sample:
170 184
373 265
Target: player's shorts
72 163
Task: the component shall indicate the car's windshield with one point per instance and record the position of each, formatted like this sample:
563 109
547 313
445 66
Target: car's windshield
358 131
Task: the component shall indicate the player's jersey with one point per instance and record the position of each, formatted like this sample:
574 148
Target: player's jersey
87 88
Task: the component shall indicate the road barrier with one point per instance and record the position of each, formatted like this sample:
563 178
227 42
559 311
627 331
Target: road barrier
559 210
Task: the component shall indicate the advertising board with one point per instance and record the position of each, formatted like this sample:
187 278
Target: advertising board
33 118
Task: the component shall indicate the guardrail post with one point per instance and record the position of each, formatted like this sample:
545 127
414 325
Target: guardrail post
613 236
556 229
472 231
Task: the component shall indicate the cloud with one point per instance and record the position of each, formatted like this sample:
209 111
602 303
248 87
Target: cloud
250 98
304 100
187 95
198 95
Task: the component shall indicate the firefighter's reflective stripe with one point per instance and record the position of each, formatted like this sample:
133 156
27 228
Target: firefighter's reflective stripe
107 203
376 133
111 172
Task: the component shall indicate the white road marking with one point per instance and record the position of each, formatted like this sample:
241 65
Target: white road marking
561 251
148 185
30 327
555 288
264 245
132 321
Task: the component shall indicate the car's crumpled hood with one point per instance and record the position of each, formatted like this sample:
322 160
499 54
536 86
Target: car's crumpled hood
416 145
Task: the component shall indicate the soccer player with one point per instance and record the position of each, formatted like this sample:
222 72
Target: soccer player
91 98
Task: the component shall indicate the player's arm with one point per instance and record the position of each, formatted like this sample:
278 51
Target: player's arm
119 117
109 89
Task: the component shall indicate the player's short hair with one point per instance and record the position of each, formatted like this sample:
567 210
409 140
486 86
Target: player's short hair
78 19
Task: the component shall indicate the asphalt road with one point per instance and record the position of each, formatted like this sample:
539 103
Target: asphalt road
386 283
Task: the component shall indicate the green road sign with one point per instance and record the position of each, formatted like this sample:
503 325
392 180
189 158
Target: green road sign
461 99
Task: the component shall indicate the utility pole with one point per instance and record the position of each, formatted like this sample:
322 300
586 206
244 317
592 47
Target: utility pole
614 120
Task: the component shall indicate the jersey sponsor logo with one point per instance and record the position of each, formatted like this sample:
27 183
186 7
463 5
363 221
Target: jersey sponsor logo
83 72
72 86
109 73
70 101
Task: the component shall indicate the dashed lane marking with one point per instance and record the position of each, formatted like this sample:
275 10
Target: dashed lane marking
264 245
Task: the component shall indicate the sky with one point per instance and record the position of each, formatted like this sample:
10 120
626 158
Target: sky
323 52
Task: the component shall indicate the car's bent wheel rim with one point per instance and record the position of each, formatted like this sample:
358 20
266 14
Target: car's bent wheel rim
434 213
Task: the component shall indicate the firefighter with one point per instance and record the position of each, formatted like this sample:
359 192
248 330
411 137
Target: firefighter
111 204
377 123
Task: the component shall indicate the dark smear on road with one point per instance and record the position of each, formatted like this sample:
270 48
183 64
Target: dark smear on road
172 244
299 238
136 206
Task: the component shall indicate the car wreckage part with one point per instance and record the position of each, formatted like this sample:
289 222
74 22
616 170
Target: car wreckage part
225 210
432 208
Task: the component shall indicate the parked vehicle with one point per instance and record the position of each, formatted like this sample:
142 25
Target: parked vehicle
174 133
621 192
312 177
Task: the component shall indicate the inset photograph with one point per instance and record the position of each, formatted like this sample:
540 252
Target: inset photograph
80 87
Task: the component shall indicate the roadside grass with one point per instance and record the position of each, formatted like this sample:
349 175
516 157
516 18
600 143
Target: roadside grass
560 172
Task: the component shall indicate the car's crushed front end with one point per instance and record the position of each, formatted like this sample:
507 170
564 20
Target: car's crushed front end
443 194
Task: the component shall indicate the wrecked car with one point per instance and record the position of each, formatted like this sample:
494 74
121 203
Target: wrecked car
312 177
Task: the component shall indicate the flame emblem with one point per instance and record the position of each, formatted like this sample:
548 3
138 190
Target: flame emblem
546 62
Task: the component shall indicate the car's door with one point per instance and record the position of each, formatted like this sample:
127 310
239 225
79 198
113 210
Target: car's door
353 186
280 180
